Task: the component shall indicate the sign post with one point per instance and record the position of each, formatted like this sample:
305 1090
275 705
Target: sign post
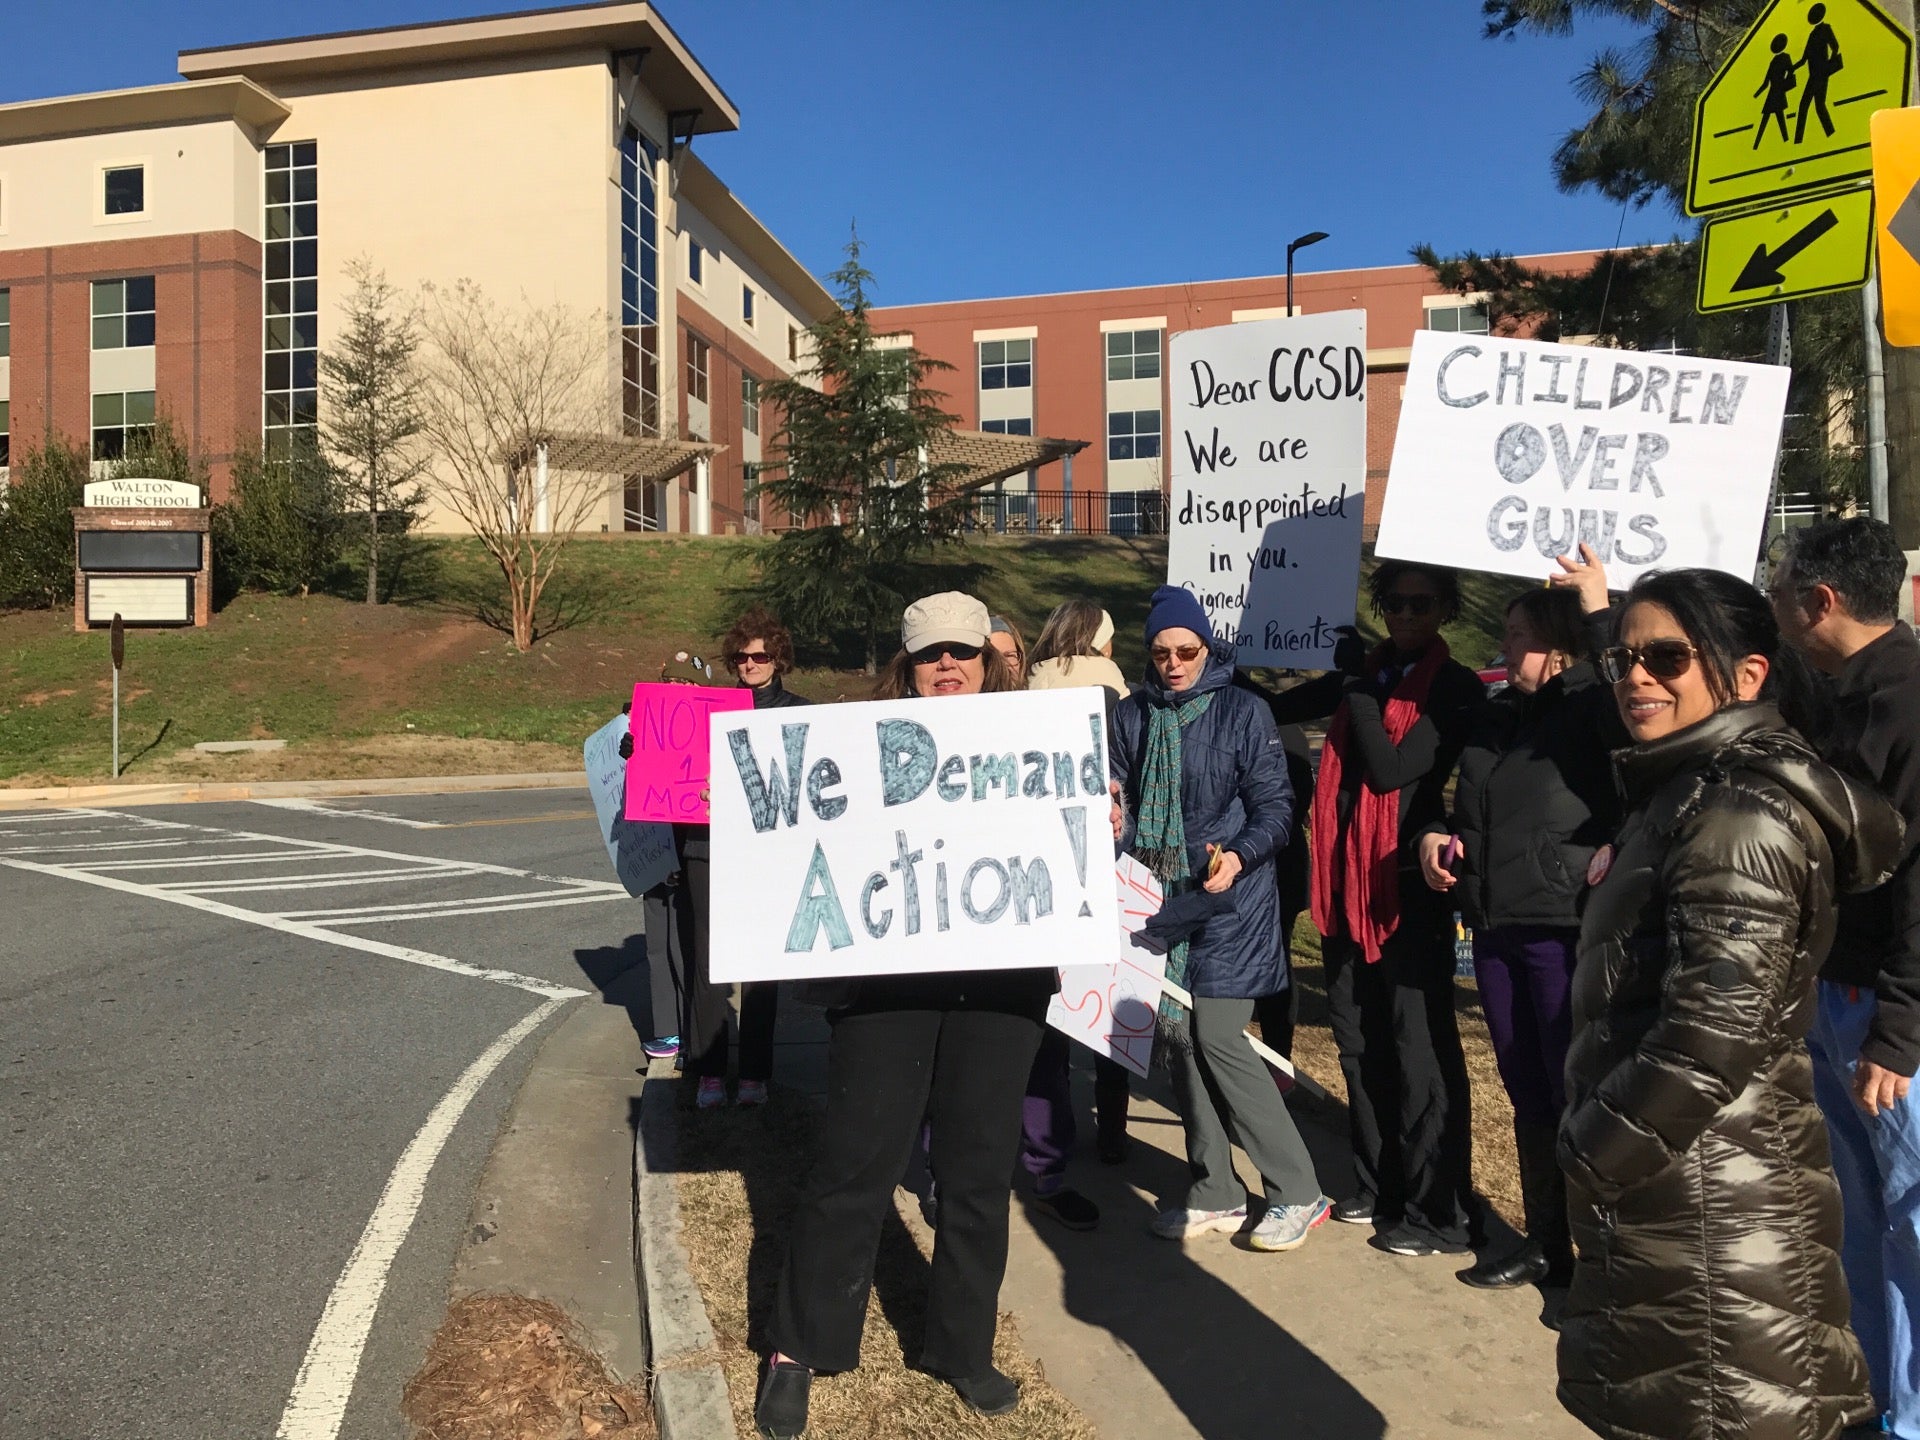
118 641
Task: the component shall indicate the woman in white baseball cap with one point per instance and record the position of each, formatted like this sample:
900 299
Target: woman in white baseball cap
953 1049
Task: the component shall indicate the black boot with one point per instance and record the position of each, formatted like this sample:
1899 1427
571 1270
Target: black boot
1546 1256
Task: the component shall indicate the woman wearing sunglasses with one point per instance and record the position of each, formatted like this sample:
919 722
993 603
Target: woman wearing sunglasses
953 1049
1708 1298
1400 716
759 651
1534 801
1204 779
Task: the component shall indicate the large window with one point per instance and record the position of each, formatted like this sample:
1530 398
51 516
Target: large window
292 336
6 429
697 368
1006 364
1133 435
1136 512
1007 427
1133 355
750 404
126 190
639 285
6 323
123 313
1468 319
118 419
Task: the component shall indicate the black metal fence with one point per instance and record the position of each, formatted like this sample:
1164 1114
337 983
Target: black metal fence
1069 512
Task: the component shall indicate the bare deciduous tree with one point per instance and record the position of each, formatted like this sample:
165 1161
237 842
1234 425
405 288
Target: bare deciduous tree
500 385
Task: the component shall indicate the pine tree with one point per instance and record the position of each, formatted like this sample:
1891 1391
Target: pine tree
1635 148
852 474
371 411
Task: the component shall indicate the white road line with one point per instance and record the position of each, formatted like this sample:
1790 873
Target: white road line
169 844
476 867
304 931
594 899
325 880
332 812
326 917
189 862
324 1385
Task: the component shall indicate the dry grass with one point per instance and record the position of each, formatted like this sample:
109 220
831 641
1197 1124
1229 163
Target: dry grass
1496 1172
741 1172
504 1367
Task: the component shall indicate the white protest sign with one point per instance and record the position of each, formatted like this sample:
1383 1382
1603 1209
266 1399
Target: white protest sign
1513 452
1111 1008
642 853
1269 474
905 836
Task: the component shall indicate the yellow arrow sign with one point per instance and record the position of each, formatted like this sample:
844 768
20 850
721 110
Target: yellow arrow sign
1790 110
1787 252
1896 184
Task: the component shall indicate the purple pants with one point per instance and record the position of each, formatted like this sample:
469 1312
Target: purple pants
1525 972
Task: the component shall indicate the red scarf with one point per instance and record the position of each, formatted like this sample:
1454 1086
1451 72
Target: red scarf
1363 896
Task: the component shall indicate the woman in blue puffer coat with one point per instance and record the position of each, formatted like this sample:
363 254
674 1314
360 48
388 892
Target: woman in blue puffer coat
1207 804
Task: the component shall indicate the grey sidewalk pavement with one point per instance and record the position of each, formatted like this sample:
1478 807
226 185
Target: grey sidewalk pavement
1335 1341
179 792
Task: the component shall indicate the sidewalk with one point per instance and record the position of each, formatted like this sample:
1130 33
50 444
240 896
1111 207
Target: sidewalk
1334 1341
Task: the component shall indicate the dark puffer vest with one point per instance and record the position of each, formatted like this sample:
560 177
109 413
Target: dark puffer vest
1708 1300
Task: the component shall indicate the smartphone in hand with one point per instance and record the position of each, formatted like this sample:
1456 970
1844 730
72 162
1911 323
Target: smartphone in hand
1451 854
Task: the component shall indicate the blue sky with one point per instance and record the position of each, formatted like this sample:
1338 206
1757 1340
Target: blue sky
993 147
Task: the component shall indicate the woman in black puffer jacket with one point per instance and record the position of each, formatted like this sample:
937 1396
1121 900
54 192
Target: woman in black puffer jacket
1534 800
1708 1299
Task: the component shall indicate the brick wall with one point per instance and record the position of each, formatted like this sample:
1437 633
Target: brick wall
207 326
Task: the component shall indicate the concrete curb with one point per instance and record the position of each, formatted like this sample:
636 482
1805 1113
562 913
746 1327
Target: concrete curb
53 797
690 1400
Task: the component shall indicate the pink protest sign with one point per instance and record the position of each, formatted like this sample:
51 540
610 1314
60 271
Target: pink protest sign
669 767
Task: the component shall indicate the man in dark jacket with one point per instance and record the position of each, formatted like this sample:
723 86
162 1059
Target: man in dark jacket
1836 597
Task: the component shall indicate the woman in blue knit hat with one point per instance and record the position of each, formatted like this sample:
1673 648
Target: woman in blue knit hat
1204 778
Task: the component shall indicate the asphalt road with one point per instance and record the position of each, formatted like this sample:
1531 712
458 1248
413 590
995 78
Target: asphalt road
253 1057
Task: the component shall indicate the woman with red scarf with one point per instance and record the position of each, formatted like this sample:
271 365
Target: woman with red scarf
1400 716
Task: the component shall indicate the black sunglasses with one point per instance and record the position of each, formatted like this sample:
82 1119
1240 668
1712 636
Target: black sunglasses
1662 659
745 657
1414 604
931 655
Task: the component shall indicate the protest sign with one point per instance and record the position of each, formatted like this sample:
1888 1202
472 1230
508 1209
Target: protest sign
1111 1008
1513 452
642 853
1269 473
906 836
668 770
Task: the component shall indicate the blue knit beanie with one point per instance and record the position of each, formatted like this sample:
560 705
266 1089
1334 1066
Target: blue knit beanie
1173 607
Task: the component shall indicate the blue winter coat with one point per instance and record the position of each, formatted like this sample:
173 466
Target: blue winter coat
1234 793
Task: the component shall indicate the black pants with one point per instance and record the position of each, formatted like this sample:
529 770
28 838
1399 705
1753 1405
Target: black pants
1408 1103
965 1070
707 1003
666 968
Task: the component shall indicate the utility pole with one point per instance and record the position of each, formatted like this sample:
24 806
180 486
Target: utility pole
1902 387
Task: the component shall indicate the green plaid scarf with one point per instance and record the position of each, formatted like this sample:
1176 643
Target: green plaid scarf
1160 833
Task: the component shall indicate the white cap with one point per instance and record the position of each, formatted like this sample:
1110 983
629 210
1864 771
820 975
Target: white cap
1105 633
950 617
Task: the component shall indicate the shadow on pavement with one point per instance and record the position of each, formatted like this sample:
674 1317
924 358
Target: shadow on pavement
620 974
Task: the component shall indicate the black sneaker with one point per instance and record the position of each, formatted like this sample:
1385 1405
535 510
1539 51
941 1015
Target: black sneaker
1113 1149
1401 1240
781 1413
1069 1207
1357 1211
988 1394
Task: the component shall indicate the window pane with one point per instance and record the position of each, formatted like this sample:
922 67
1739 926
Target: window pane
1019 377
1020 350
279 222
306 221
140 329
306 185
279 187
1119 367
109 297
279 298
279 259
1442 320
126 191
307 152
306 297
306 370
279 370
306 407
109 409
6 306
279 329
140 292
993 352
306 257
1120 447
109 332
306 332
278 409
993 378
278 157
1146 447
140 407
109 444
1020 427
1147 367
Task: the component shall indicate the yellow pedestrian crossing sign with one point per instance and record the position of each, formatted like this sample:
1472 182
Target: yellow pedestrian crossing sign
1790 110
1787 252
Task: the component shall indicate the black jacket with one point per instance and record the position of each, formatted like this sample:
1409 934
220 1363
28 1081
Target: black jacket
1535 799
1708 1300
1875 735
1418 767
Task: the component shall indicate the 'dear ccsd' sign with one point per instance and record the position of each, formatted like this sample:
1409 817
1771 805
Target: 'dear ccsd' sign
1512 453
894 837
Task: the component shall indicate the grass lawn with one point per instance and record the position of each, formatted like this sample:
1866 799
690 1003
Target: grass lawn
425 687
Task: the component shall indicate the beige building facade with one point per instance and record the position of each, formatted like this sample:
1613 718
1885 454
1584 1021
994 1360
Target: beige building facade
184 249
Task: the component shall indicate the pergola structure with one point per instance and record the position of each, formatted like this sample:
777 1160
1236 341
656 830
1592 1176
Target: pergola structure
990 458
632 459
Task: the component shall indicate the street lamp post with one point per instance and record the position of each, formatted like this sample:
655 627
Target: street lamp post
1312 237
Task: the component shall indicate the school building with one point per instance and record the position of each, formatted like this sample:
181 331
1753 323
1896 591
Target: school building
182 248
1093 364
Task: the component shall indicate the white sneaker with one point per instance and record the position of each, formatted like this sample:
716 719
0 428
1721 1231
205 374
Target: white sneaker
1285 1227
1183 1224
